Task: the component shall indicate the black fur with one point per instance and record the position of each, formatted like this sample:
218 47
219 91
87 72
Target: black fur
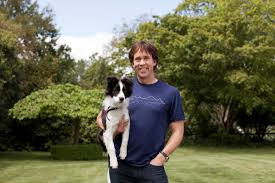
127 89
112 88
100 140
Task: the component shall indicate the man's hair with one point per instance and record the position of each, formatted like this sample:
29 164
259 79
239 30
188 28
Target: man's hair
146 47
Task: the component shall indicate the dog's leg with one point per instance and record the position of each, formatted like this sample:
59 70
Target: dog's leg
108 140
124 143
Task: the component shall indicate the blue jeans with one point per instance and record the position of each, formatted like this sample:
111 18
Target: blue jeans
126 173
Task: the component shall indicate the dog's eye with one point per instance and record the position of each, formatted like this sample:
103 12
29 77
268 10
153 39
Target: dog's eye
117 88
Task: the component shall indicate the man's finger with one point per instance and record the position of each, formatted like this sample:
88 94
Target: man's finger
101 126
122 118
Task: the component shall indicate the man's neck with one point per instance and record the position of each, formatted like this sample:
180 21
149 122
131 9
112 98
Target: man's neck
151 80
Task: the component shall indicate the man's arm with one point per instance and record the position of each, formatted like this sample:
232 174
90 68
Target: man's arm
174 141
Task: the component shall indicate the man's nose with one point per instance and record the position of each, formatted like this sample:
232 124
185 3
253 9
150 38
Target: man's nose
142 61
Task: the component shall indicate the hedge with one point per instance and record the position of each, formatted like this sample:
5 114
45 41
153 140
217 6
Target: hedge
77 152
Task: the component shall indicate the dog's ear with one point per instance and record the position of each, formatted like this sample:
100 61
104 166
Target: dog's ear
128 86
128 82
111 82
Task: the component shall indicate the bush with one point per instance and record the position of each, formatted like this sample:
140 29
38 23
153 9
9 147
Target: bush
224 139
77 152
219 139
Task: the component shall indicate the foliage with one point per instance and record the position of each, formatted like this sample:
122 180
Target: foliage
95 75
58 101
259 122
77 152
9 71
30 58
64 102
43 62
217 52
222 139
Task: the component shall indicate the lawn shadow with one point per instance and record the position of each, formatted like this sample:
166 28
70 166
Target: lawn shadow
232 150
37 156
10 158
15 156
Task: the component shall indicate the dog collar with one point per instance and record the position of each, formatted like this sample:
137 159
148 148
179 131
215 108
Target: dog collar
104 115
110 109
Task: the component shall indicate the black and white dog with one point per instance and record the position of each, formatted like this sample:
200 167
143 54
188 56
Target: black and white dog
115 104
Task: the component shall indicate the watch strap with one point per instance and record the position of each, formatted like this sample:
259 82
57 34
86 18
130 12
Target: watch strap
165 155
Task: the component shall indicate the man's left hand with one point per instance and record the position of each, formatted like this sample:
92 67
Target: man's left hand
159 160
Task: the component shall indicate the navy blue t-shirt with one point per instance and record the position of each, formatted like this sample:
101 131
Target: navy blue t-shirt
152 108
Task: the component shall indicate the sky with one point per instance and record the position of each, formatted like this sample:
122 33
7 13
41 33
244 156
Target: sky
87 25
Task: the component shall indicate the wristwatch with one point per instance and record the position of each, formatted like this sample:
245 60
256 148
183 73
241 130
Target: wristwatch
165 155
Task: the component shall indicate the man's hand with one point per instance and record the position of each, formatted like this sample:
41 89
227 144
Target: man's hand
121 125
159 160
174 141
99 121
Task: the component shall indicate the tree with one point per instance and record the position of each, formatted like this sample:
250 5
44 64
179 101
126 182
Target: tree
38 43
29 56
9 72
96 74
217 52
61 102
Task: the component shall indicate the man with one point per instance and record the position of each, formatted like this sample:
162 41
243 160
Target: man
154 107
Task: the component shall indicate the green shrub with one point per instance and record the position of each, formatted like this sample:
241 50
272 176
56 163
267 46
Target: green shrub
224 139
77 152
219 139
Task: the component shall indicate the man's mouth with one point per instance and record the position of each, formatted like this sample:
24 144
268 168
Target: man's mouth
143 70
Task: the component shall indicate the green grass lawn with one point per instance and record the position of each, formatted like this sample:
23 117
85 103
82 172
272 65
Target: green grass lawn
188 164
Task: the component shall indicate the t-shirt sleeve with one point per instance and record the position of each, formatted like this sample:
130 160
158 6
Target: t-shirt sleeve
176 110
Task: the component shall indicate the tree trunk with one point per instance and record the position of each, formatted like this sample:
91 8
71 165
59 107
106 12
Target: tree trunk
76 131
226 118
223 115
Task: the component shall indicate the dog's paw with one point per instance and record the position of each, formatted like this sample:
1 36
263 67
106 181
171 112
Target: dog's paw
122 155
113 164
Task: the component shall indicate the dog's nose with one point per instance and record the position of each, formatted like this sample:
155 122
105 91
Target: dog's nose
121 99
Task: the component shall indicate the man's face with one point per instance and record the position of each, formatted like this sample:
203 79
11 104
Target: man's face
143 64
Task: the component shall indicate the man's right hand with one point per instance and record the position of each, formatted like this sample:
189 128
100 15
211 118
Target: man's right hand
121 125
99 121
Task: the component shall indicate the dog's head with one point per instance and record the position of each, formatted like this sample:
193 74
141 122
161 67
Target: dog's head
119 89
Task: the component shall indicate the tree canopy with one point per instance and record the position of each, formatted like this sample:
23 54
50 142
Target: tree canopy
30 58
219 53
60 102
